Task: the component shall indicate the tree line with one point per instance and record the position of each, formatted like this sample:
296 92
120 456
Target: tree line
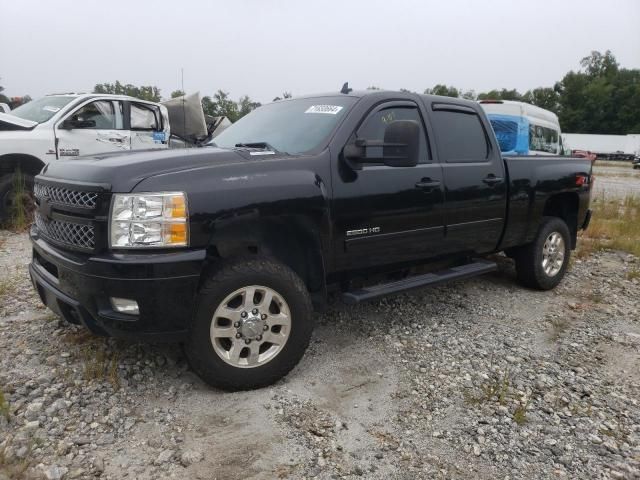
218 104
601 97
13 102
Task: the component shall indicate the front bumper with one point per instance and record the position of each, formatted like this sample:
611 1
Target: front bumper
79 287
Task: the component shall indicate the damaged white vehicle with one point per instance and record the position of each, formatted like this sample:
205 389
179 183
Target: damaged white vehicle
72 125
69 126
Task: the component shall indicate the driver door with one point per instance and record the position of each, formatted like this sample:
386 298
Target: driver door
94 128
387 214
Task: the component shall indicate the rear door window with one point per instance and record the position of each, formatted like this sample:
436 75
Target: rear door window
145 117
460 136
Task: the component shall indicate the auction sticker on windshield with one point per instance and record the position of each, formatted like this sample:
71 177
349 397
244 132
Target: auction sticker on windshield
330 109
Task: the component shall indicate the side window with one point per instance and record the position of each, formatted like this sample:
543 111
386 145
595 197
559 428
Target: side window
374 126
99 115
144 117
542 139
460 136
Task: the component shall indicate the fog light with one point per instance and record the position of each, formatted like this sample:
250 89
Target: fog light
125 305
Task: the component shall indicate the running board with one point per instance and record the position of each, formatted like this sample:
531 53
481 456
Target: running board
477 267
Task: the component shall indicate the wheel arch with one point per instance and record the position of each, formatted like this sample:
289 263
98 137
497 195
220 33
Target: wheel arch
565 206
28 164
292 240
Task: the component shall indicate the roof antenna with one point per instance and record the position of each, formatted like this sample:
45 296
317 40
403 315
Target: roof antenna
345 88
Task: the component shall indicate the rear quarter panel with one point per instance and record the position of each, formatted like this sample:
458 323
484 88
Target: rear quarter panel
533 180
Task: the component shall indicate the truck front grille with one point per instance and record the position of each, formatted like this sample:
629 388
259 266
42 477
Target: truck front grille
70 234
66 197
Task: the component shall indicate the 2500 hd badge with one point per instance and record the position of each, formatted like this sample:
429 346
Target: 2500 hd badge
363 231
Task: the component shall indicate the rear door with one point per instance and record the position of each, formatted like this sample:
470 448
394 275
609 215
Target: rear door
98 128
387 214
147 126
474 178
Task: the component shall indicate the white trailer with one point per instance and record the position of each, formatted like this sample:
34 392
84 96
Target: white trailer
609 147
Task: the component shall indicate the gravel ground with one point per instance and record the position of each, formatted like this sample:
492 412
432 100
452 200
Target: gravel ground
478 379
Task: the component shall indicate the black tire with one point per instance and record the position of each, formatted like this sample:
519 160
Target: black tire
7 197
529 258
234 275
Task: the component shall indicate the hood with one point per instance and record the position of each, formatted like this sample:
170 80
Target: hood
121 172
11 122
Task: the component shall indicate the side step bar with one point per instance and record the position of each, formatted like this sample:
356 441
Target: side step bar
477 267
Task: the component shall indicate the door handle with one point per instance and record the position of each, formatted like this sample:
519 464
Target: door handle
427 183
491 179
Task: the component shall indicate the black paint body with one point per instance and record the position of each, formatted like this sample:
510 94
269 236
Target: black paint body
299 210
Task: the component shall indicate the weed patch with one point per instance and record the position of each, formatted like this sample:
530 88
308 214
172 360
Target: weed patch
13 467
615 225
520 413
7 287
22 206
4 406
633 274
496 389
99 365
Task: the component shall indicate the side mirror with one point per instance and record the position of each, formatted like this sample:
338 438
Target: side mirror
70 124
401 144
400 147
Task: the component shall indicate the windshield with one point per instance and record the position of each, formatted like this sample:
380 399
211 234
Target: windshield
42 109
288 126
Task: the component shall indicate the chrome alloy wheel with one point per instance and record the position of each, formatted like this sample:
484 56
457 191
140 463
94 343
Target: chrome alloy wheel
553 253
251 326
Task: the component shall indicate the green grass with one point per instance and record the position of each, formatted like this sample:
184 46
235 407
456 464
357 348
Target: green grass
615 226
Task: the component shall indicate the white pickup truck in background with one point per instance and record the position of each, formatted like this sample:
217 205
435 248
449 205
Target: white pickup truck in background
72 125
69 126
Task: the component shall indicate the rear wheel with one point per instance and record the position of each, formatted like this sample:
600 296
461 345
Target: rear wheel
253 323
543 263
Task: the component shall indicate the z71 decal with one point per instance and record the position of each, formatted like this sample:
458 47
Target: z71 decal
363 231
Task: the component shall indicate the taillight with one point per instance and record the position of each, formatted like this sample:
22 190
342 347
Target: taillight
582 180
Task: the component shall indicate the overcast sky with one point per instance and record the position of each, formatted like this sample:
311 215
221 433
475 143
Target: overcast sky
264 47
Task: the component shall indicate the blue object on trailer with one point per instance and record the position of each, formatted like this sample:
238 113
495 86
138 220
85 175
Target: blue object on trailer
512 132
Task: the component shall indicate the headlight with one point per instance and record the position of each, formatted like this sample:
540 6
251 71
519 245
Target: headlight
149 220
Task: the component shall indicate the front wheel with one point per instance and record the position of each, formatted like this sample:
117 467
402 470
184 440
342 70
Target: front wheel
543 263
252 325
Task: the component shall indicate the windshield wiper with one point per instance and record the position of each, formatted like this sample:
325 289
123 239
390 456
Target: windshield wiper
257 145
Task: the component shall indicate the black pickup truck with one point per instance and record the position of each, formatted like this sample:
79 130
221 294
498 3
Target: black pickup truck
229 247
